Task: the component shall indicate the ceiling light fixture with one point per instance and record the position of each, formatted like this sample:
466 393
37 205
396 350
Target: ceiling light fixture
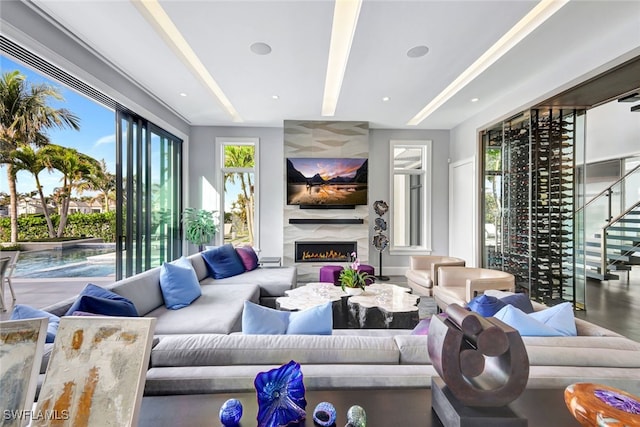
532 20
183 94
417 51
160 21
475 99
345 19
385 98
275 97
260 48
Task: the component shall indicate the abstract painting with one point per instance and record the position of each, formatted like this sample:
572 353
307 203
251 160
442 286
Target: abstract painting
96 373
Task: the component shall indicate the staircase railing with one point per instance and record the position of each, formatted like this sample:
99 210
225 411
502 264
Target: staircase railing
604 263
611 204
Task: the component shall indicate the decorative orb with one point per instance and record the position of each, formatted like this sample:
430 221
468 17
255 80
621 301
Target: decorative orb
231 412
356 416
324 414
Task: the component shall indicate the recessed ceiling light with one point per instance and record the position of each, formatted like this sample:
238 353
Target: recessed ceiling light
475 99
417 51
275 97
385 98
260 48
183 94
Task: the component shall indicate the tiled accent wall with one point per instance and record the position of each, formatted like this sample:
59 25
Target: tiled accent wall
324 139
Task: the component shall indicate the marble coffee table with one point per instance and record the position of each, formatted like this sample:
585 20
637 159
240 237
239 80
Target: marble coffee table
381 305
313 294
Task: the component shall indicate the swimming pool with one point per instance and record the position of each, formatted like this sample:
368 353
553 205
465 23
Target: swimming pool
67 262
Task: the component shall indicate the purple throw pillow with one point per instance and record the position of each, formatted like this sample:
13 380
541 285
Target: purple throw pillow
422 328
248 257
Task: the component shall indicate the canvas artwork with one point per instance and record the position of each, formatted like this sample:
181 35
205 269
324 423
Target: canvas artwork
21 347
97 371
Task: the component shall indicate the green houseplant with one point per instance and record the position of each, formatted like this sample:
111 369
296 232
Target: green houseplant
353 281
200 226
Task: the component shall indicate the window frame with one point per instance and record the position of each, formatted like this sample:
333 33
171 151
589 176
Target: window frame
426 171
221 143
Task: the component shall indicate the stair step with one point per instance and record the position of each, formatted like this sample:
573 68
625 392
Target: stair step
634 239
623 247
598 276
617 228
630 220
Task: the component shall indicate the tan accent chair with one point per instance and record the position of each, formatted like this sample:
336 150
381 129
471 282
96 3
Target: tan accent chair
461 284
422 276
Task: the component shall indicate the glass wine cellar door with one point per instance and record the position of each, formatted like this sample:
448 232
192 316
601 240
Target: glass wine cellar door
529 198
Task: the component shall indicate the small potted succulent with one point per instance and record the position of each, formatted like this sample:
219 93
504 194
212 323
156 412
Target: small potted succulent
200 226
353 281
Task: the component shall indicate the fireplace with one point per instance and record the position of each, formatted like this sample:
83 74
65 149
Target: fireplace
321 251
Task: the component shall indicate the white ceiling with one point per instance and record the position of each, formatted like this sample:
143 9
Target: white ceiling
221 32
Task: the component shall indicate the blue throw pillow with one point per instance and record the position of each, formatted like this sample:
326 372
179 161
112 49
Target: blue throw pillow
105 306
259 320
97 291
21 311
559 317
526 325
520 301
485 305
223 261
179 283
316 320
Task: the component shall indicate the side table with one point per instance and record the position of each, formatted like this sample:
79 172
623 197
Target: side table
270 261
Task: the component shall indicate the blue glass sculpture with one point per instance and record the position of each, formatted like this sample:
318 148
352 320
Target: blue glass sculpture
280 396
231 412
356 416
325 414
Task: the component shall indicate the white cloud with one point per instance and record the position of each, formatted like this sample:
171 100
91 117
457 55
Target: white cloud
109 139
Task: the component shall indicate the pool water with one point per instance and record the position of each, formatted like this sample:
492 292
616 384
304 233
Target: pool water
68 262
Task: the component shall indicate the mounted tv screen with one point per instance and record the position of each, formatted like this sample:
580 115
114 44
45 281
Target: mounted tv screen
327 182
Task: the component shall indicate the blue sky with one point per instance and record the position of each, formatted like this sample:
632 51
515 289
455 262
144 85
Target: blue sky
95 138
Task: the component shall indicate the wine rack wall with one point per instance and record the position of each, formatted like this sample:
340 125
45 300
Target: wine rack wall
535 237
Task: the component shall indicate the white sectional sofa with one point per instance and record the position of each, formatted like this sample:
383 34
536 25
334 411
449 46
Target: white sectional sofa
200 348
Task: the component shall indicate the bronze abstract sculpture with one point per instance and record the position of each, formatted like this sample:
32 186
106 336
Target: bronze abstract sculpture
482 361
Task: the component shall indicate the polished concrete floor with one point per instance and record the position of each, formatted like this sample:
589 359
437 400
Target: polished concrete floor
612 304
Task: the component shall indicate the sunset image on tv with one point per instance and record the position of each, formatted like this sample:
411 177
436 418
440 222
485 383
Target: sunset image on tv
322 181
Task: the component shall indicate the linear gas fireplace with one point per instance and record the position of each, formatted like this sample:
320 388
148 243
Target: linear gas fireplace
324 251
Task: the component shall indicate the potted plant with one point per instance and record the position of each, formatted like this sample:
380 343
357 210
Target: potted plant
200 226
352 280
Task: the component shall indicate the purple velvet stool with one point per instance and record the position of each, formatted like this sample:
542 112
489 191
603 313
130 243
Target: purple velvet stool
330 274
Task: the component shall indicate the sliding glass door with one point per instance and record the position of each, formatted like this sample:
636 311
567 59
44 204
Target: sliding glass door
148 177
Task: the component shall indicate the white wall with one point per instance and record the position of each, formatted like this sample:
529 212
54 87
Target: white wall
202 179
379 189
613 131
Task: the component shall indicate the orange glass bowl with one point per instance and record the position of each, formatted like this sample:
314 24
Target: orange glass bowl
601 405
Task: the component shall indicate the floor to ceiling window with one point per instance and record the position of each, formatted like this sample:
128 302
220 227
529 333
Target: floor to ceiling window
149 173
238 176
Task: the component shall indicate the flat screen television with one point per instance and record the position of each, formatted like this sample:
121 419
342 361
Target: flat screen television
327 181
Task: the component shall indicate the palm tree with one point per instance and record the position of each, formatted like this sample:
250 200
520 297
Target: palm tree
104 182
242 157
25 116
76 168
30 160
